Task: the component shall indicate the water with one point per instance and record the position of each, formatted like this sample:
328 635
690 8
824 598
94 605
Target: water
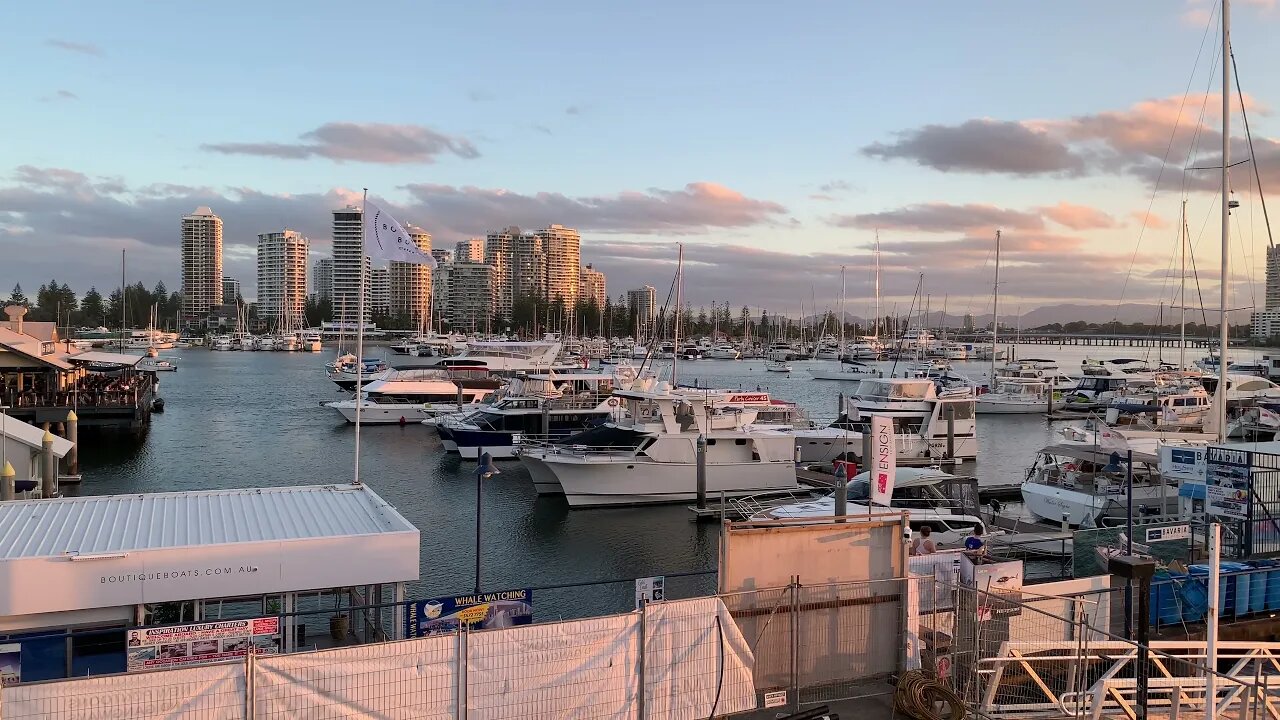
239 420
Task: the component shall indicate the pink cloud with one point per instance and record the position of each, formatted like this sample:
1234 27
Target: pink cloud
1078 217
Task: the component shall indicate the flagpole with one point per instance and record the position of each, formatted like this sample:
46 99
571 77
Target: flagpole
360 335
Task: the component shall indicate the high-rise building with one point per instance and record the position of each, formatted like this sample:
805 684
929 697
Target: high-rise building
529 274
282 278
471 295
442 256
563 248
591 286
348 255
230 289
378 301
322 280
500 253
201 264
472 250
440 279
411 283
1273 278
643 303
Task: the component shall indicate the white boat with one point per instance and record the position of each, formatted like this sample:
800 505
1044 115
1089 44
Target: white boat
245 342
724 351
345 372
777 366
507 357
311 342
851 371
223 343
154 364
265 343
780 351
915 490
1080 484
919 414
652 455
414 395
288 342
1018 396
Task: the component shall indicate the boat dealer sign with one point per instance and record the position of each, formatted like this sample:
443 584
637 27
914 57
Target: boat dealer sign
1228 482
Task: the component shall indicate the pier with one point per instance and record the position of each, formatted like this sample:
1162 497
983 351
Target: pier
1168 340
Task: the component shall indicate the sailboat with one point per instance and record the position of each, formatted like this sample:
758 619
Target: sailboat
853 371
869 347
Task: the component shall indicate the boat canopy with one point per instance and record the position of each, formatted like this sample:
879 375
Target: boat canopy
1097 455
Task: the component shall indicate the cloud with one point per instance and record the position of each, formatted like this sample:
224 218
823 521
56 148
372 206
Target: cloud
1152 220
574 110
60 95
697 207
75 47
835 186
543 129
1078 217
50 214
982 146
1132 142
976 218
359 142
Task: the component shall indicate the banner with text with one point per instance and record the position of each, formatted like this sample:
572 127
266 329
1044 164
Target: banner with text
199 643
478 612
884 460
1228 482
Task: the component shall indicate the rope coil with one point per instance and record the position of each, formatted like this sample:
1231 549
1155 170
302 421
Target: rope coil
919 693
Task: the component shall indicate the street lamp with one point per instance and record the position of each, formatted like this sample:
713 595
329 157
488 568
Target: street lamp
484 470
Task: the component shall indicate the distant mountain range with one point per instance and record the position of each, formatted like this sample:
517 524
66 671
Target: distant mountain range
1071 312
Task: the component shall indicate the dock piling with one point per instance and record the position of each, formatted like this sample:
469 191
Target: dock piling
48 468
7 481
73 434
702 472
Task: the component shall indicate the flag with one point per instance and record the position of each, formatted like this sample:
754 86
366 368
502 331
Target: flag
386 239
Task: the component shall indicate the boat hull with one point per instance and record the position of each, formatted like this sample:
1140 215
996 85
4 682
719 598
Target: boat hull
1004 407
827 447
387 414
601 482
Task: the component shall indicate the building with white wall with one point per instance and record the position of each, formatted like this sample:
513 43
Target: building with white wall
201 264
282 278
410 283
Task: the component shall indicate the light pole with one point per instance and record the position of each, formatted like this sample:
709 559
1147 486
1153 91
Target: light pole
484 470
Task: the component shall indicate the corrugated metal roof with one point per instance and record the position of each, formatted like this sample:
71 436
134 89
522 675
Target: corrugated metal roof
121 523
97 356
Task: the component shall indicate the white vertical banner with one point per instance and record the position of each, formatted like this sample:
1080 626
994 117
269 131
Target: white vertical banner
884 460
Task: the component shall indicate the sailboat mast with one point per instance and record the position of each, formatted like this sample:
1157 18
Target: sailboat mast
1224 338
995 313
879 313
1182 300
675 345
840 354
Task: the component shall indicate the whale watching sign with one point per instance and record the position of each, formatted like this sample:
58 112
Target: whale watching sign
478 612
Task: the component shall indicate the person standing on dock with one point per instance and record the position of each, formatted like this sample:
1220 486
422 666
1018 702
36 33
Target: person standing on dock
923 544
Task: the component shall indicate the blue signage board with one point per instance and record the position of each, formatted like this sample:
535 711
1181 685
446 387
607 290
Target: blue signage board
477 612
1228 482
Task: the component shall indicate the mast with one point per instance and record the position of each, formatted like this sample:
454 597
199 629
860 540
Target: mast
1220 401
123 299
675 342
995 314
1182 300
360 336
840 353
879 313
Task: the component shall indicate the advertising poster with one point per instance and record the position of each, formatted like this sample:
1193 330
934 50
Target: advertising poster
479 612
10 664
884 461
650 589
1186 465
1228 482
200 643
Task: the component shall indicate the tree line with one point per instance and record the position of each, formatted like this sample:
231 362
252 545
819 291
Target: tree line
57 302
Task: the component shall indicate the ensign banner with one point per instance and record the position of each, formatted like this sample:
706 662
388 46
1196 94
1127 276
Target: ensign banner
884 460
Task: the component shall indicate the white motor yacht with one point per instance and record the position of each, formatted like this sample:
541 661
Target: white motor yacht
345 371
852 371
651 456
919 413
311 342
222 343
868 347
509 357
1018 396
724 351
1081 483
413 395
915 490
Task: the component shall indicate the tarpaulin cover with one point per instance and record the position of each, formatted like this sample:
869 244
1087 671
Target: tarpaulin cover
209 692
695 667
408 679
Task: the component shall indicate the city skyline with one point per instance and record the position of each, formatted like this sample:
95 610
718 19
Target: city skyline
774 170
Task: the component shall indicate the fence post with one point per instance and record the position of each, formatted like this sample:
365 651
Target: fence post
460 675
250 659
795 643
640 704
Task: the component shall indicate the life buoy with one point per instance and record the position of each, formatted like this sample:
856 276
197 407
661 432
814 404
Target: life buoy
613 402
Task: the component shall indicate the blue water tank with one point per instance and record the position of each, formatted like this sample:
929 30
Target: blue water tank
1226 587
1166 604
1243 579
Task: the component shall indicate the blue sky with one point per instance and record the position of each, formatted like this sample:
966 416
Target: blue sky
602 117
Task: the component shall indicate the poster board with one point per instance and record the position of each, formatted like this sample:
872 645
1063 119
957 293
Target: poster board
485 611
173 646
1228 482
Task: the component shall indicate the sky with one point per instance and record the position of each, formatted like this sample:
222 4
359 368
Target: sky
774 141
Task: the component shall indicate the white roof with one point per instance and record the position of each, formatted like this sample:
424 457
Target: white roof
32 436
123 523
94 356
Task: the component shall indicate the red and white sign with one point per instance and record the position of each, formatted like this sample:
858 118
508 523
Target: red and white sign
201 643
884 460
748 398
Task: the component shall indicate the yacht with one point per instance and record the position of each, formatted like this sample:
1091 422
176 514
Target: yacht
414 395
650 455
311 342
1036 369
868 347
288 342
222 343
343 371
915 490
508 358
828 348
780 351
1079 484
853 371
245 341
919 413
542 406
778 366
157 364
1018 396
723 351
266 343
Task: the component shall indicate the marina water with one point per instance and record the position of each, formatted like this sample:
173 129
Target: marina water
253 419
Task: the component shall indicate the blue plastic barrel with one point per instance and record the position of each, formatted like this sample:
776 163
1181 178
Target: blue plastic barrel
1166 605
1242 577
1273 587
1226 587
1258 585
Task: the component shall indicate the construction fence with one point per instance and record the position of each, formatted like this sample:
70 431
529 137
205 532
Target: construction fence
705 657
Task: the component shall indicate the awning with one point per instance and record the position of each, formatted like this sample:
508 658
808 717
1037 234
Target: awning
1097 455
106 358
